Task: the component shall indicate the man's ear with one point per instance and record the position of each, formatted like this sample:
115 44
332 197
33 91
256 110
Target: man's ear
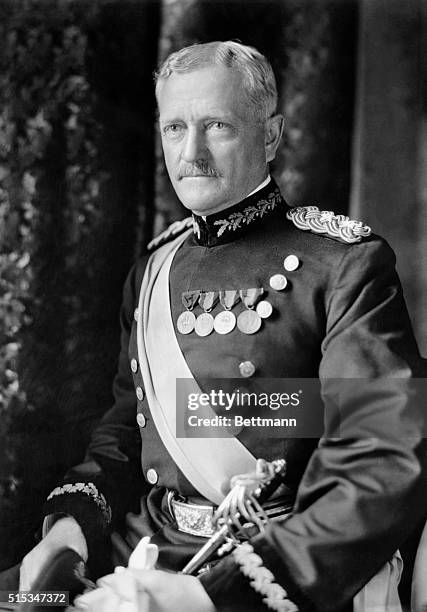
273 134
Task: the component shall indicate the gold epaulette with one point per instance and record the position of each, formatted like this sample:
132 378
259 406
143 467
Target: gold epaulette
172 231
326 222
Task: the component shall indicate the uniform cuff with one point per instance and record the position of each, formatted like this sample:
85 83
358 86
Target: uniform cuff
230 590
254 578
92 518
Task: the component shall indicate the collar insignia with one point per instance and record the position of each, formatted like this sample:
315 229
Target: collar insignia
326 222
235 220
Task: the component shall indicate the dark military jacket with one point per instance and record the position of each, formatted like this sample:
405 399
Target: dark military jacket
341 315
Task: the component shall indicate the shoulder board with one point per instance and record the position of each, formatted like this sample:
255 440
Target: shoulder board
171 232
326 222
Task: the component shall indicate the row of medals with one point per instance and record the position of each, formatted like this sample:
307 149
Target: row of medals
248 321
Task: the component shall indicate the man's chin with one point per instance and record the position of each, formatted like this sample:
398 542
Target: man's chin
201 199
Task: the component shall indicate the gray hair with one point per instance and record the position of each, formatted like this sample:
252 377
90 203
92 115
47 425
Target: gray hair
257 73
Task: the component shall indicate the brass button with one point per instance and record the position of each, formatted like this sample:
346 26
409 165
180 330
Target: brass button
139 393
152 476
134 366
246 369
135 314
264 309
291 263
278 282
140 419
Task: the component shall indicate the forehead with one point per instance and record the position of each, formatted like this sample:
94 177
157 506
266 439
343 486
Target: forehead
206 91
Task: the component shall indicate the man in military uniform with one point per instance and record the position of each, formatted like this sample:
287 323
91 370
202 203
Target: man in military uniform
249 288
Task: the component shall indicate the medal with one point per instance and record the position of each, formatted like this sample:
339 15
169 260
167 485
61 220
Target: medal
225 322
189 299
228 299
208 300
250 296
186 320
264 309
204 324
249 321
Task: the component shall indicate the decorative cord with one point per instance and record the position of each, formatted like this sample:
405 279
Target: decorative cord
262 580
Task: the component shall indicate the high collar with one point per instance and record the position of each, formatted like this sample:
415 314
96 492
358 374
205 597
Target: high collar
233 222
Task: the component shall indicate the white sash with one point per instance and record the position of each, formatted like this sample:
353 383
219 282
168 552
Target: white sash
208 463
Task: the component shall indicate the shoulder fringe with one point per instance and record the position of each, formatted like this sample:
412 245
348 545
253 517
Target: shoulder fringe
171 232
338 227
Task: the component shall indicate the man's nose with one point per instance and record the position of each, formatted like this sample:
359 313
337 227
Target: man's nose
194 145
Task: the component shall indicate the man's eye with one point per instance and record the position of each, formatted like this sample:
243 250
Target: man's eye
172 129
217 125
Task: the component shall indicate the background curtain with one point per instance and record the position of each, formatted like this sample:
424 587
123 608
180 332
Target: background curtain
83 186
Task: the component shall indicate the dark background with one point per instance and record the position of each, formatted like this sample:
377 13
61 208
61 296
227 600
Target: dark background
83 187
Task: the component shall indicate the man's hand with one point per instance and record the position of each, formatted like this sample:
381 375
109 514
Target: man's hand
166 591
65 533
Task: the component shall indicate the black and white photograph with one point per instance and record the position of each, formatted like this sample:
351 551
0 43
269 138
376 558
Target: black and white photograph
213 305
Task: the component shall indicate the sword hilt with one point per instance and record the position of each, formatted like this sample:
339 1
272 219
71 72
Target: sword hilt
261 493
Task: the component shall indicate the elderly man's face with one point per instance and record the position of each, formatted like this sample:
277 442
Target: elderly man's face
214 147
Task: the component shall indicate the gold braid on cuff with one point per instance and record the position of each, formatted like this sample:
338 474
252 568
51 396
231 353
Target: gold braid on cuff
87 488
262 580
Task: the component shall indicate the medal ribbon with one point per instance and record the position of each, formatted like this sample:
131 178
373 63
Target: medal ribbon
228 298
250 296
189 299
208 300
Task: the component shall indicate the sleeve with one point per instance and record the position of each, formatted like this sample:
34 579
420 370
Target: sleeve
109 482
359 495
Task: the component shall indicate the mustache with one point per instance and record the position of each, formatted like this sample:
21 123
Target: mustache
198 168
